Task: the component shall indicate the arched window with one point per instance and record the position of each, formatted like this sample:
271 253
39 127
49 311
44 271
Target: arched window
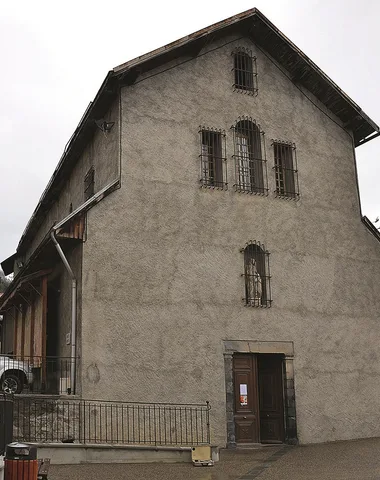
257 276
245 73
250 162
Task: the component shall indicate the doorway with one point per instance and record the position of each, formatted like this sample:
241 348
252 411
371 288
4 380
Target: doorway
52 360
258 398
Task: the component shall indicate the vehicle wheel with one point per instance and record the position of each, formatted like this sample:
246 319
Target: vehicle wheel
11 384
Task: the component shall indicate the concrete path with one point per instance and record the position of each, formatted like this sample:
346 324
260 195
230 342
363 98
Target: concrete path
354 460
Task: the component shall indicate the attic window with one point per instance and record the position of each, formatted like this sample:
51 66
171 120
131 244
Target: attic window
245 71
89 184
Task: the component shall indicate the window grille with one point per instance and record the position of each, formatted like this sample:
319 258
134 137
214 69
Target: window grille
249 156
245 71
285 167
89 184
213 158
257 275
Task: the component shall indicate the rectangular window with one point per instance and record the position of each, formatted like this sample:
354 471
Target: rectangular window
285 167
213 157
89 184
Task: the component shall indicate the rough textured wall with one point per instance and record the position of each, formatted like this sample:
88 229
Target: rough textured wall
102 152
162 268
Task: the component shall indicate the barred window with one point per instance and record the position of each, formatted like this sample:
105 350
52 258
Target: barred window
245 71
213 157
249 156
285 167
257 275
89 184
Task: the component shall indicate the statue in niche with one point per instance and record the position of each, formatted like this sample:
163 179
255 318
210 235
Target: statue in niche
254 283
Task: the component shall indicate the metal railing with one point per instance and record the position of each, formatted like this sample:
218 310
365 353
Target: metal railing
45 375
101 422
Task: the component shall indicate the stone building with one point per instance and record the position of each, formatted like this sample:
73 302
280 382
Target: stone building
208 208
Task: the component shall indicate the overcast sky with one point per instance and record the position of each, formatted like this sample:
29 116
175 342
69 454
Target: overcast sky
55 55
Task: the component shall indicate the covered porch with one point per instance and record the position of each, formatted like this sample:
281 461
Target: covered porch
37 328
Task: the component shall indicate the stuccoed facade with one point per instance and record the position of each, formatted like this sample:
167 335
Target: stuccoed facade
161 288
168 284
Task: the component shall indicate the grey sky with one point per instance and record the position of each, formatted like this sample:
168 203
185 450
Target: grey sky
54 57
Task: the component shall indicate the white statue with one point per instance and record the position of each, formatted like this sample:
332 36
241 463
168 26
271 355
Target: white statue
254 283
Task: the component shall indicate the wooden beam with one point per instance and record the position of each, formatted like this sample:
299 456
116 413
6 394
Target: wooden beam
23 317
32 322
3 333
35 275
15 333
44 291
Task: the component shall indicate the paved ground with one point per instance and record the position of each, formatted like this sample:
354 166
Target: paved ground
354 460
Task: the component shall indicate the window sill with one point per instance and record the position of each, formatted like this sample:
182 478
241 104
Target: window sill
251 192
295 197
267 304
214 187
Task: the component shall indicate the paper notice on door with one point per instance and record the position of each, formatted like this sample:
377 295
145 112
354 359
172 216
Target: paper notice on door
243 394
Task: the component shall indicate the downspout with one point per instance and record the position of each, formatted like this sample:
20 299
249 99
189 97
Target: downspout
73 310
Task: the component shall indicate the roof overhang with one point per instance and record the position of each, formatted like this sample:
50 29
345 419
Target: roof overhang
252 24
300 67
69 232
8 263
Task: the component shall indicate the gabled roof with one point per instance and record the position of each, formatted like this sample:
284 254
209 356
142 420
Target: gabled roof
256 26
252 24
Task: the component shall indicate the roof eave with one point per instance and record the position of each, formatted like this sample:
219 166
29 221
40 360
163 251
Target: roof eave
184 40
371 227
87 121
362 126
366 119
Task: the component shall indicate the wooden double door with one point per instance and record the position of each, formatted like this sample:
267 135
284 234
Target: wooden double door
259 398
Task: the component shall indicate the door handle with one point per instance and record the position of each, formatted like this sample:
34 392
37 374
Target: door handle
245 418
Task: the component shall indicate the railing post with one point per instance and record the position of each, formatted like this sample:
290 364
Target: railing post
208 422
84 421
